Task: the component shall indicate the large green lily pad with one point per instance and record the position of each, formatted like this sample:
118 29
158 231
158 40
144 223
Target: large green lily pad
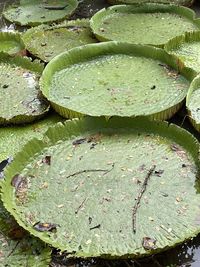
20 98
148 23
11 43
37 12
193 102
176 2
13 138
40 41
17 248
123 188
115 79
187 48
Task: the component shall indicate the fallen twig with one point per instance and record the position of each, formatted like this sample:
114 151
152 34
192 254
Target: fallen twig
139 197
92 170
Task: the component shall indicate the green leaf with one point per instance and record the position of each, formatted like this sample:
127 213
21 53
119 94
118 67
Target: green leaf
17 248
193 102
11 43
143 23
20 98
115 79
176 2
40 41
187 48
96 171
13 138
36 12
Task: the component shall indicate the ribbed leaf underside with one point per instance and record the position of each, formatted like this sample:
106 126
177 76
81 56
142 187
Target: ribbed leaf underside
40 41
148 23
120 188
193 102
37 12
187 48
20 98
115 79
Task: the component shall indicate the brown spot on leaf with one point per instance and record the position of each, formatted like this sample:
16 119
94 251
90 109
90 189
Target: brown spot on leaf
179 151
16 180
21 185
94 138
170 72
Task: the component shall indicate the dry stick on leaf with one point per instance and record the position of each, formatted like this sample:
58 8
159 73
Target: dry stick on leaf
143 189
92 170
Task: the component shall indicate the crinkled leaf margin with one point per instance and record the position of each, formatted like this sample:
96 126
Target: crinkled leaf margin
74 128
146 7
84 53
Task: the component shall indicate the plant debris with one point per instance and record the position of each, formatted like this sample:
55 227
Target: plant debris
47 160
45 227
149 243
79 141
95 227
139 197
92 170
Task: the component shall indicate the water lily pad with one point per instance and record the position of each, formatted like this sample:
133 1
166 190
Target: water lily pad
193 102
37 12
148 23
13 138
20 98
123 188
176 2
115 79
187 49
40 41
17 248
11 43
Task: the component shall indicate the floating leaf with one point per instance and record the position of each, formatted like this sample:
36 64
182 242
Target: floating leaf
148 23
40 41
11 43
94 190
115 79
187 48
37 12
20 98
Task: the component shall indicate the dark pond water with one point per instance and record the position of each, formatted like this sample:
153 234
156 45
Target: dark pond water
185 255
